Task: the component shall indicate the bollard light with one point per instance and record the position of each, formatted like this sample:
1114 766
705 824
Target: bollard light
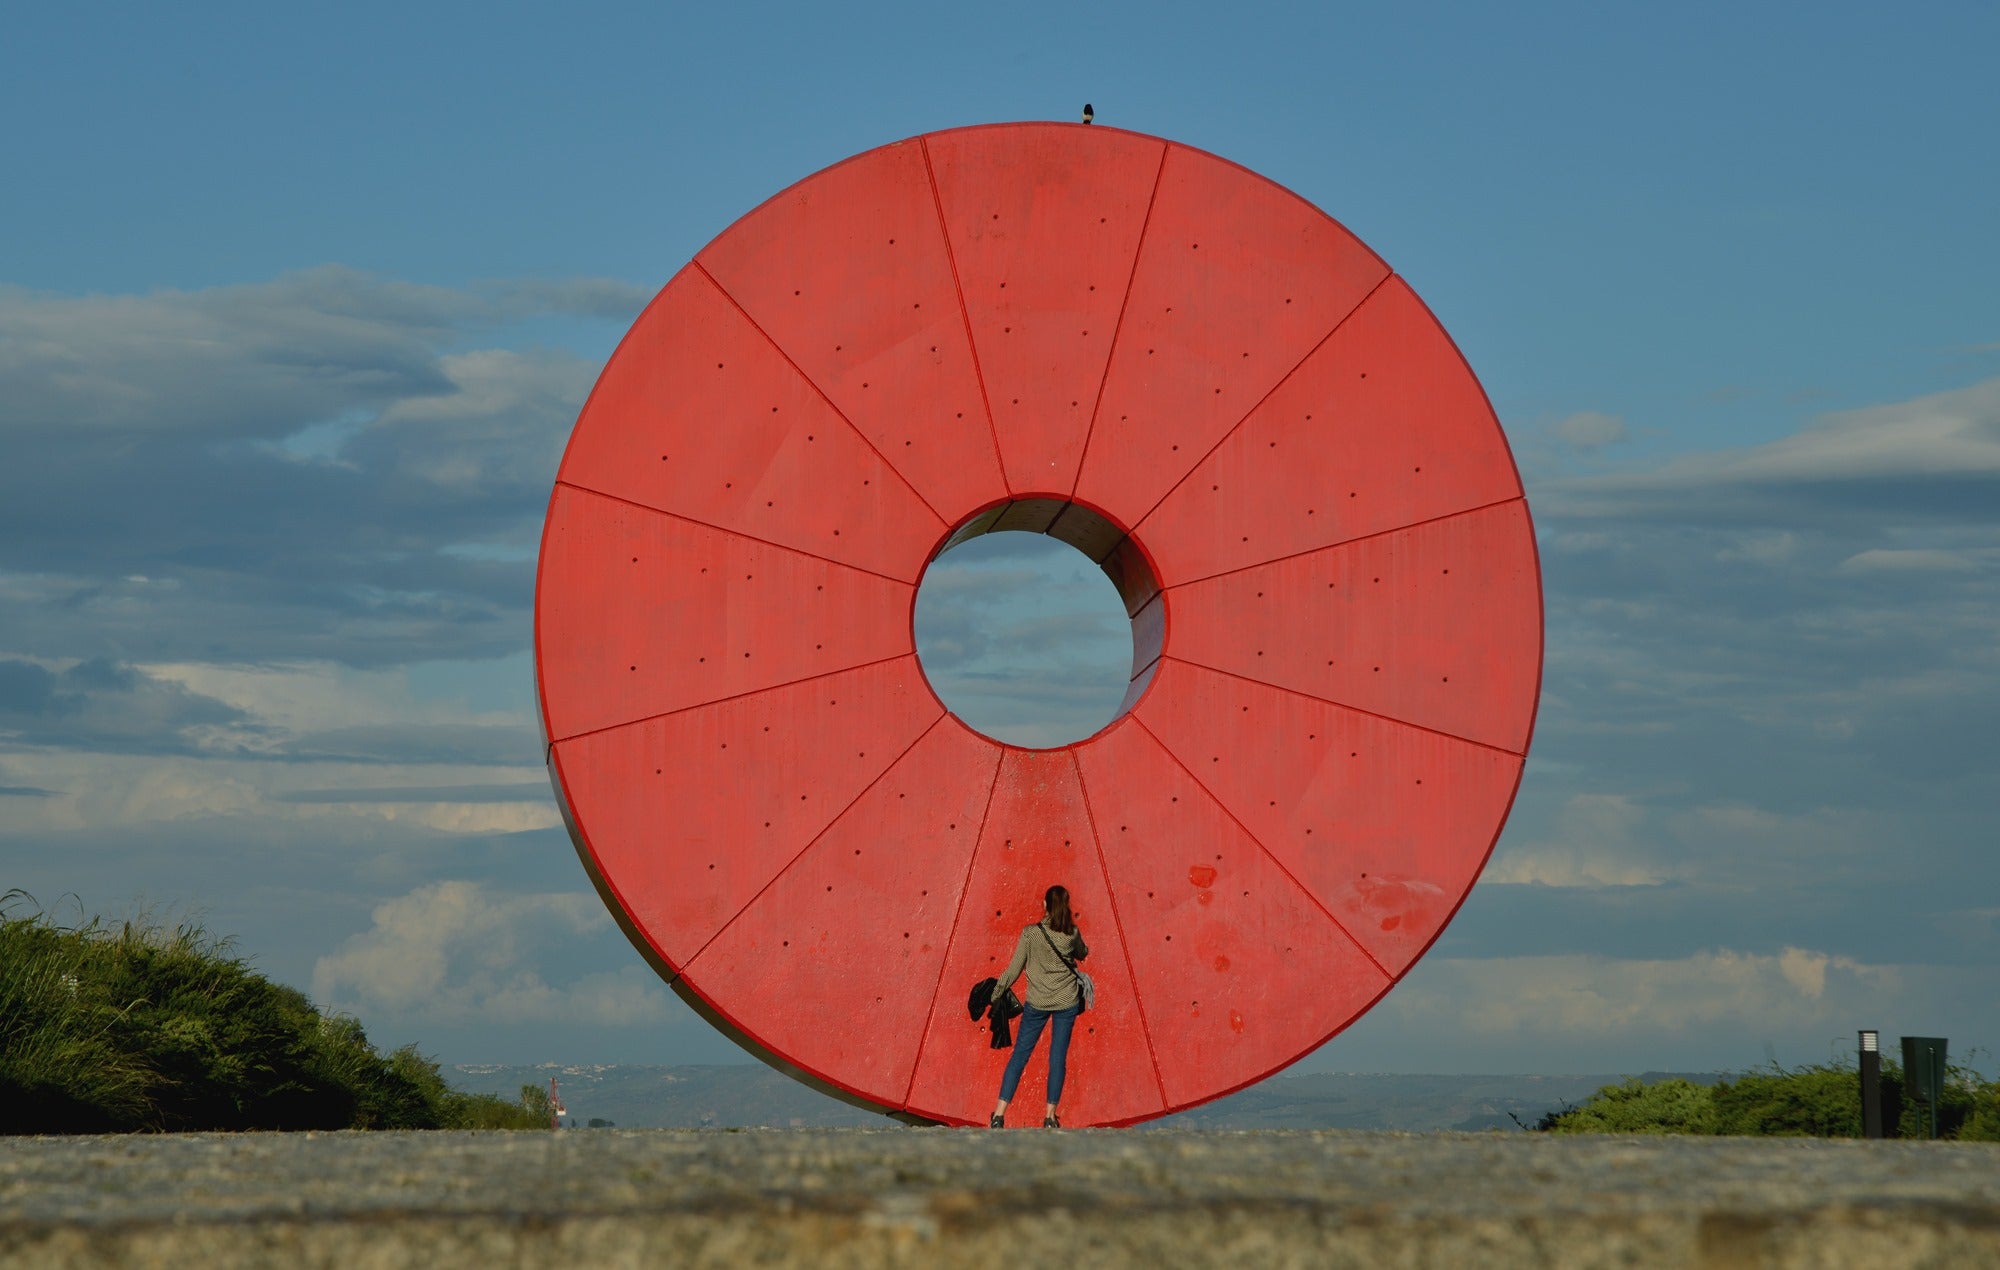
1871 1084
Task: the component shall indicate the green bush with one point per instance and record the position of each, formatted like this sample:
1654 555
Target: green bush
536 1099
1818 1100
138 1027
1982 1123
1808 1102
1667 1106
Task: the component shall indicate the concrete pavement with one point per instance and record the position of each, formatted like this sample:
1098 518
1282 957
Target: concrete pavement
942 1197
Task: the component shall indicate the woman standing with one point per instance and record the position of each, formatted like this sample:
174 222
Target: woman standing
1047 950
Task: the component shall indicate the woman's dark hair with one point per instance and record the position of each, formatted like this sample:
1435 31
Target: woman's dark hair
1057 903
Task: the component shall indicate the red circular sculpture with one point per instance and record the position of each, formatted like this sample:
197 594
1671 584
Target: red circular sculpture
1176 366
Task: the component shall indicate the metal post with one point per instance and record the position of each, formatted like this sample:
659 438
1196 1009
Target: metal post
1924 1070
1871 1084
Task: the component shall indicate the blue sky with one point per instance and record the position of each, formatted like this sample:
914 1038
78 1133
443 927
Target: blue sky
297 306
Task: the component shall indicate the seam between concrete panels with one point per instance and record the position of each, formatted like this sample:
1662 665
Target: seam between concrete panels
1118 327
1270 855
736 533
811 383
812 842
964 315
1348 542
1281 381
735 696
1343 705
958 915
1159 598
1118 924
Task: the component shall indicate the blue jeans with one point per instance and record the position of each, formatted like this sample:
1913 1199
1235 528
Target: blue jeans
1032 1021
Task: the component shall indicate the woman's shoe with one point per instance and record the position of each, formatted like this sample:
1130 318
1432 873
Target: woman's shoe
1051 1122
995 1121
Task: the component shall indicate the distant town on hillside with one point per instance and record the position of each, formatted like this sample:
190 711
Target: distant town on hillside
750 1095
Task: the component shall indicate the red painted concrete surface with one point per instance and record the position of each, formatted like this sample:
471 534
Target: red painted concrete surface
1172 364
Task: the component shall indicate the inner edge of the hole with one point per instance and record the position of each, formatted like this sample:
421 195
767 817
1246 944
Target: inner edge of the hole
1108 545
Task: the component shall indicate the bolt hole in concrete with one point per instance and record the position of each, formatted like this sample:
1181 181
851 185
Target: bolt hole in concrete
1038 622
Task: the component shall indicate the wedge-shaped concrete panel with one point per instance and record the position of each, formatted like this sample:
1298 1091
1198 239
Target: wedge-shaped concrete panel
1227 949
686 817
835 964
698 414
1037 834
1382 427
1385 824
686 619
849 274
1044 227
1439 624
1238 280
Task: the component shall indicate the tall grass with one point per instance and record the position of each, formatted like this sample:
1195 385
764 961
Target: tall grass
138 1026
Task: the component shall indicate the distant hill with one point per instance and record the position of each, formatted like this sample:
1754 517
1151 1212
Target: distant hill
745 1095
633 1096
1413 1104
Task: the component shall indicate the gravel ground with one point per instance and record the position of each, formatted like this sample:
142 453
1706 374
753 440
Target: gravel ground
951 1197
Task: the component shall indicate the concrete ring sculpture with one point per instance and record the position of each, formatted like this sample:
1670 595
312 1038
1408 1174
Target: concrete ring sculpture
1177 367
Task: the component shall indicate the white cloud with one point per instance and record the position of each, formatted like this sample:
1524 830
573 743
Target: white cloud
1593 845
295 699
1947 434
1947 437
457 952
323 465
1795 989
502 424
274 745
83 790
477 818
265 358
1806 971
105 705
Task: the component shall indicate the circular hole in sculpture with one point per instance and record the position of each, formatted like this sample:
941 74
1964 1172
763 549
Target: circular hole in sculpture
1038 622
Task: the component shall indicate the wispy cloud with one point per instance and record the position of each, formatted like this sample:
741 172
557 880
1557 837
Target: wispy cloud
1929 457
302 468
104 705
1589 430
